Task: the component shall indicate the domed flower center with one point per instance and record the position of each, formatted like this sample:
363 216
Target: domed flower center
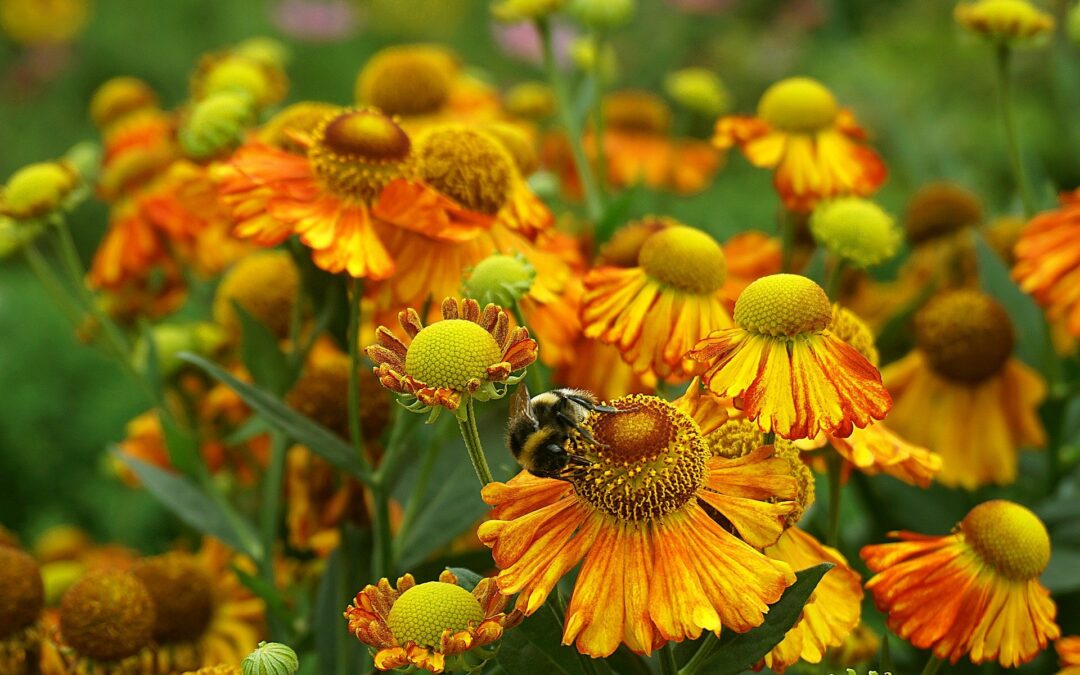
424 612
856 229
783 305
450 353
298 119
636 111
684 258
939 209
406 81
851 329
36 189
1009 538
467 165
22 594
798 104
965 335
183 596
107 616
500 279
647 462
358 152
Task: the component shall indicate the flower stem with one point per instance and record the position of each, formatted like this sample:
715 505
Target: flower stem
932 665
835 465
1002 58
667 660
708 645
598 110
594 206
52 285
471 435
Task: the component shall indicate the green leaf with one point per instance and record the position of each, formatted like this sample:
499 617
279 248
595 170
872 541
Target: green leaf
149 366
743 651
301 429
536 647
262 355
339 652
182 447
1060 575
196 508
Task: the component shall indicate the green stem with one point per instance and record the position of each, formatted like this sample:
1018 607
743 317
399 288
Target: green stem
353 336
1002 56
593 204
52 285
271 512
835 465
704 652
598 111
383 555
667 660
471 435
69 255
932 665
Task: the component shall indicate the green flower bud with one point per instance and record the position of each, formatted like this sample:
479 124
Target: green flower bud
500 280
170 339
216 124
603 14
698 90
271 658
513 11
855 229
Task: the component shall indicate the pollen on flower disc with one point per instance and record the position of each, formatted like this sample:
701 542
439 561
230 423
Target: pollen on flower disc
1009 538
107 616
647 461
182 592
424 611
798 104
358 152
966 335
468 165
783 304
684 258
22 594
450 353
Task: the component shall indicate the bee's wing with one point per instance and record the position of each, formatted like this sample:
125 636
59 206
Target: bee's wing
521 403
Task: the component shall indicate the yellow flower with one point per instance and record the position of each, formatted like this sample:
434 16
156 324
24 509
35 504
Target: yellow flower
972 593
430 626
38 190
470 353
963 370
1004 20
855 230
792 375
43 23
657 566
657 310
531 100
1068 649
119 97
814 147
264 82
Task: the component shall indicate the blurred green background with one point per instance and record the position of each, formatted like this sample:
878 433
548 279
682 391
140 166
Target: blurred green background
924 90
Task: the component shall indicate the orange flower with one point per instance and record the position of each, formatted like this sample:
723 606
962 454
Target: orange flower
429 625
326 197
789 372
833 609
656 566
1048 261
1068 649
814 146
655 312
963 370
975 592
468 353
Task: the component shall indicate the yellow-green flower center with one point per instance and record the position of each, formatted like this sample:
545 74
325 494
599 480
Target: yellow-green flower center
684 258
855 229
406 80
783 305
798 104
467 165
1009 538
22 594
183 595
358 152
965 335
107 616
647 462
37 189
450 353
424 612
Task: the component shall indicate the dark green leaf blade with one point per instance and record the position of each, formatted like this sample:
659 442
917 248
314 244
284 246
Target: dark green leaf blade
536 647
262 355
193 506
301 429
743 651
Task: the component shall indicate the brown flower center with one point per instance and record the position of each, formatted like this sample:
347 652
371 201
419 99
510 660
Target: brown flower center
358 152
965 335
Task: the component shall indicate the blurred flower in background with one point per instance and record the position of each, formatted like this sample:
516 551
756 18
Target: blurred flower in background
317 20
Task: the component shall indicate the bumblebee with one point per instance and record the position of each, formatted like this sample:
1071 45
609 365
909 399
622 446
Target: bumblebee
540 428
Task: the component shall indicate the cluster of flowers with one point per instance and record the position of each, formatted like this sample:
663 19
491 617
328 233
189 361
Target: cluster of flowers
732 377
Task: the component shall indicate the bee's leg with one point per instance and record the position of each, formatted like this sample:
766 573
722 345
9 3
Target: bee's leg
576 427
589 405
